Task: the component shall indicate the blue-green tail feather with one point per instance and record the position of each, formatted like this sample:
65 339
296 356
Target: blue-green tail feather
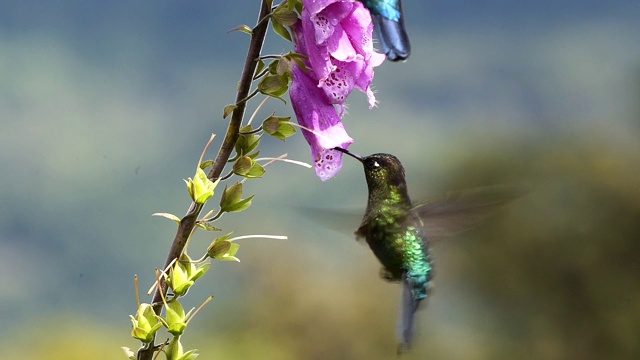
392 37
408 307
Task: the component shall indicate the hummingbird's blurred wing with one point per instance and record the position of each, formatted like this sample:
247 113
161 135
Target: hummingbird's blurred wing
443 217
340 220
459 211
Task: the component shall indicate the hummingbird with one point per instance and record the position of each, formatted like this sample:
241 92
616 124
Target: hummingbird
388 22
397 230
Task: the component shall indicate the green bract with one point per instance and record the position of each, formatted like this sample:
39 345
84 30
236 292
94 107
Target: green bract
278 127
223 249
228 110
274 85
247 141
231 199
247 167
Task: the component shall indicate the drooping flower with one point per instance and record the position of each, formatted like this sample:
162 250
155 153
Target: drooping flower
336 36
315 112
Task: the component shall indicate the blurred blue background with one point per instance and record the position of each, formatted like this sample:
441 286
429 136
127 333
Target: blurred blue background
106 106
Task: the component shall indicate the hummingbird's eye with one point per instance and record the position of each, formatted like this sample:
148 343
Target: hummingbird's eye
373 165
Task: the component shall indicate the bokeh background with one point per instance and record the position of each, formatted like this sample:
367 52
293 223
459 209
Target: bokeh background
106 106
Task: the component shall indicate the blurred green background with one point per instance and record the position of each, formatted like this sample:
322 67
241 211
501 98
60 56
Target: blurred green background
105 108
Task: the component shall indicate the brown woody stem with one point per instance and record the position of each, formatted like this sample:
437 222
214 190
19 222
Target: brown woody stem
188 222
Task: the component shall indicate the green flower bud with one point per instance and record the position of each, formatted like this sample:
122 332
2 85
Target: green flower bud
145 324
200 188
231 199
175 352
219 249
223 249
184 273
176 319
274 85
179 278
243 165
278 127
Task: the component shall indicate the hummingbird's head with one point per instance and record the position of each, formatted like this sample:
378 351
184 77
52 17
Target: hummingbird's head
381 170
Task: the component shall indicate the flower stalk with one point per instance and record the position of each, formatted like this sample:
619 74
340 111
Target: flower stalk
189 221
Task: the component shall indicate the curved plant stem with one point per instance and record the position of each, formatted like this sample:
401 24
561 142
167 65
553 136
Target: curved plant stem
188 222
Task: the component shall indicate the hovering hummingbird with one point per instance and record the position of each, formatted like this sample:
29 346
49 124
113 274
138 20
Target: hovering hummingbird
397 230
388 22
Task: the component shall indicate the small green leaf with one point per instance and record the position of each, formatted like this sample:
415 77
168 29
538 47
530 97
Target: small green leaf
300 64
298 5
291 4
199 269
168 216
228 110
240 205
243 28
207 226
224 237
190 187
254 155
298 59
260 66
284 16
205 164
190 355
279 29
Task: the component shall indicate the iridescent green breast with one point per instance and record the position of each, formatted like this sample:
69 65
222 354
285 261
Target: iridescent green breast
398 241
386 238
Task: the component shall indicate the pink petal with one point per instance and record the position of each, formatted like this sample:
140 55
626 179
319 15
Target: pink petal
314 111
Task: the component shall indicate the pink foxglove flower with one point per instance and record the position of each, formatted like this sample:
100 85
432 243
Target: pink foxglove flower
336 35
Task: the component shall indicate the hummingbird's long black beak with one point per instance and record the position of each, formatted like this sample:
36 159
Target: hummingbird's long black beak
357 157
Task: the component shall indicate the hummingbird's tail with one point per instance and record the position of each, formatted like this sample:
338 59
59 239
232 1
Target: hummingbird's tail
408 307
393 37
